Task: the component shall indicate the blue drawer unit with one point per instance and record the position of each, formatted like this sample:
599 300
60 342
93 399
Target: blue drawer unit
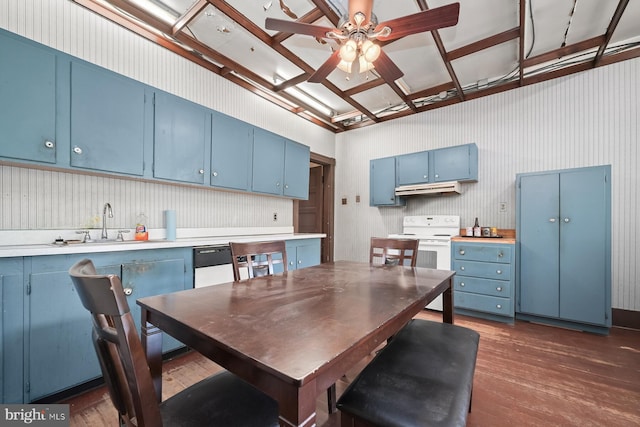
484 284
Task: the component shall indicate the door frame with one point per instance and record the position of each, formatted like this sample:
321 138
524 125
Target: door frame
328 182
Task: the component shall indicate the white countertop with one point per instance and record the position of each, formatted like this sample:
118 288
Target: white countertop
210 237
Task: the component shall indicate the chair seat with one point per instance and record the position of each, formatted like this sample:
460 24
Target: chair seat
220 400
423 377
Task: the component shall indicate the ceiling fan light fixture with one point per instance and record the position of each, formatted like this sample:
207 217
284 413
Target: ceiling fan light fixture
359 18
345 66
365 65
349 51
370 51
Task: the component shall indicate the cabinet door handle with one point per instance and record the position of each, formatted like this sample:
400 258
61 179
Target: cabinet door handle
499 289
77 150
299 261
567 220
462 268
201 171
128 291
286 186
462 284
498 306
498 271
461 252
500 254
552 220
214 173
49 144
278 184
424 176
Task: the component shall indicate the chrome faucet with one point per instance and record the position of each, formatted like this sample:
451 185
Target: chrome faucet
105 210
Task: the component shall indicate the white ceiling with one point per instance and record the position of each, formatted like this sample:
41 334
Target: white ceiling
481 55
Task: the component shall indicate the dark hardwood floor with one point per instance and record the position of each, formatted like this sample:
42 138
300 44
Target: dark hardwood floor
526 375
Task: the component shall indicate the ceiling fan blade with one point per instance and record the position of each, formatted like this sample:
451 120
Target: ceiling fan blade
387 68
427 20
297 28
326 68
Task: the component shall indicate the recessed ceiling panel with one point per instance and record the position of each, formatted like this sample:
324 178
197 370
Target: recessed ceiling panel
420 61
478 20
259 10
590 19
496 63
628 29
378 99
217 31
547 25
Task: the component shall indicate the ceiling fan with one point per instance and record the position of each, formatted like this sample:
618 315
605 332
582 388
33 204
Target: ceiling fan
358 32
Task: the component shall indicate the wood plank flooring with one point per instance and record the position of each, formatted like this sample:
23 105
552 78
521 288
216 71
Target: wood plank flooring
526 375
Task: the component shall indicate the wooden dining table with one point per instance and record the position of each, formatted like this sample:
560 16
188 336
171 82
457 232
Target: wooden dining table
293 335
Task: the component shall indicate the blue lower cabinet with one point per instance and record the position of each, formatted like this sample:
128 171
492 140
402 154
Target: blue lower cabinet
11 330
60 352
303 253
484 284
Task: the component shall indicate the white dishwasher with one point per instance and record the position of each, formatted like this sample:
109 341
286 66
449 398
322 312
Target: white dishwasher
212 265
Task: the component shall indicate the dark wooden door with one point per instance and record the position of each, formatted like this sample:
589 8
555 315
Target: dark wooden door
310 211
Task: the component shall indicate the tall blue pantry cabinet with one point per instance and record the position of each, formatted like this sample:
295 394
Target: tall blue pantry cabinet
563 224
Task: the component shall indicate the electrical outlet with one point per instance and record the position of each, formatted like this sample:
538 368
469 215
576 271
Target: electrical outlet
275 216
503 207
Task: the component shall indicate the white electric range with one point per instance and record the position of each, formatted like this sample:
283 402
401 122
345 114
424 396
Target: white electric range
434 250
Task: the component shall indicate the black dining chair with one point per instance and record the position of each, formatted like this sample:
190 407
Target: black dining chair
393 251
219 400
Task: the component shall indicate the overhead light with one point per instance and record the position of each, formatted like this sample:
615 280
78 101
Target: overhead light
349 51
155 10
366 53
370 51
305 97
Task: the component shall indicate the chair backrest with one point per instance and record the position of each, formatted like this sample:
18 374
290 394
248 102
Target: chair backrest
122 359
258 258
393 251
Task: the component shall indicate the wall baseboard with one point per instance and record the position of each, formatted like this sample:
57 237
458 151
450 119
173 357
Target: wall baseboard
626 318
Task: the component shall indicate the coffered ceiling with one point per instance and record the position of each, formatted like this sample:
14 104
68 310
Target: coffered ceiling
496 45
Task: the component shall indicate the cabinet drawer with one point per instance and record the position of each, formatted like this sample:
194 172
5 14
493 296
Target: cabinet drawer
486 270
475 285
488 253
477 302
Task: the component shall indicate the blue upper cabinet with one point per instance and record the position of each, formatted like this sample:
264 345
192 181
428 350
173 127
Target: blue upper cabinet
459 163
268 162
412 168
27 101
296 170
181 137
382 183
231 152
280 166
107 121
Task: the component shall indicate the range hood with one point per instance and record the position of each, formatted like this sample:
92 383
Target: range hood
433 189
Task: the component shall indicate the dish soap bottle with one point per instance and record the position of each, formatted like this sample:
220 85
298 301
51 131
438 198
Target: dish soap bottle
141 228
